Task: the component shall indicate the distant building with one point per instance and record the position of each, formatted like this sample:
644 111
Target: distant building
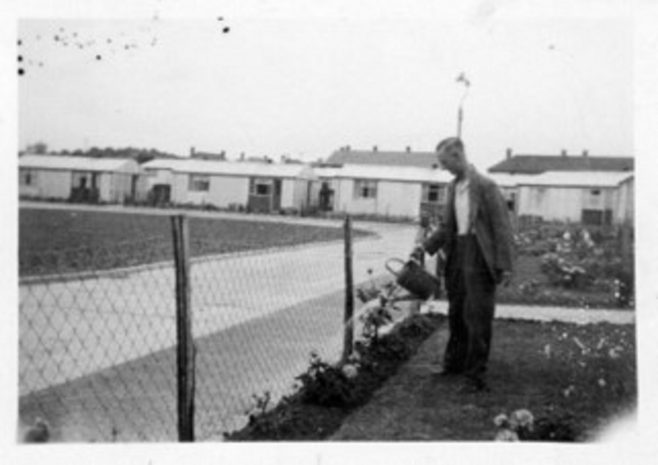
536 164
347 156
257 187
82 179
383 191
588 197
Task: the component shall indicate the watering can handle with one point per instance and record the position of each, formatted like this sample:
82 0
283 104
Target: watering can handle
388 267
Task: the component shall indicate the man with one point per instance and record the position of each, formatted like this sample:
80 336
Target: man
477 240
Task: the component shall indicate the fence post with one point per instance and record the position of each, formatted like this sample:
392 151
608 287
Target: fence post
185 343
348 324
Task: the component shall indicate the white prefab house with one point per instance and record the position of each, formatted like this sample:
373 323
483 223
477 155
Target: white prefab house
587 197
80 178
258 187
401 191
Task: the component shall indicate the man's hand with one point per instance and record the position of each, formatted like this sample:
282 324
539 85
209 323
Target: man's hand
418 253
503 277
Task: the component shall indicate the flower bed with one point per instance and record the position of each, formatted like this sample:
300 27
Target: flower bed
326 394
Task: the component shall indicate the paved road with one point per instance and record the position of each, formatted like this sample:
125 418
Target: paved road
96 353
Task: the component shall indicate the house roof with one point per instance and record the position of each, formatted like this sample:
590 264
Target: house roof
576 179
391 173
533 164
509 180
60 162
383 158
232 168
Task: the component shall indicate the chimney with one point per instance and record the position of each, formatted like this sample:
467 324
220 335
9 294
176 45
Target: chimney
563 153
283 158
222 155
585 153
192 151
348 148
508 153
241 156
374 148
408 149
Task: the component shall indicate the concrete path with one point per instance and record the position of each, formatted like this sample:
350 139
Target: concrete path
567 315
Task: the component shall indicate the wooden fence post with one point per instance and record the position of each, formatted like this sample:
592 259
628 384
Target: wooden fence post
185 343
348 334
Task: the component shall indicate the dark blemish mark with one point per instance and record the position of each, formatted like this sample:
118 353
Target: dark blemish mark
20 58
98 57
20 42
21 71
226 30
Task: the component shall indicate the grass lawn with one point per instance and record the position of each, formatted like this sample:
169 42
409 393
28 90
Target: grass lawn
52 241
573 379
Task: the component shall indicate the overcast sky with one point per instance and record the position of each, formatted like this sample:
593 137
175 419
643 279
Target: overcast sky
306 85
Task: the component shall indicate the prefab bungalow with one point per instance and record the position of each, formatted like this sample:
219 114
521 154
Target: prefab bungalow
257 187
84 179
386 191
587 197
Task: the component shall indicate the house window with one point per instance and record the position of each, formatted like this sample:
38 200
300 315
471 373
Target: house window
261 187
199 183
595 192
433 193
27 177
365 189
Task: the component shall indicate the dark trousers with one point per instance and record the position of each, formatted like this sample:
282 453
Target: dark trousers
471 295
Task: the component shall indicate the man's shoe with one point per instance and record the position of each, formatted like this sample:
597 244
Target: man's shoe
474 386
442 371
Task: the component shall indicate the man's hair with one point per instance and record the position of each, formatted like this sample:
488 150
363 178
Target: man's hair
449 143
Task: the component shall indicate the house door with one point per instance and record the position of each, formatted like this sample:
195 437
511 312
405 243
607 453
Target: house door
261 195
133 187
161 194
276 197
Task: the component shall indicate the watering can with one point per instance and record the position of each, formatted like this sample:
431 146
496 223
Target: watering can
414 278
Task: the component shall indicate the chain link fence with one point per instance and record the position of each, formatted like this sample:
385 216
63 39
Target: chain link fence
95 357
97 348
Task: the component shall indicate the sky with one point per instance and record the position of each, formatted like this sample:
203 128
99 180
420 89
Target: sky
306 83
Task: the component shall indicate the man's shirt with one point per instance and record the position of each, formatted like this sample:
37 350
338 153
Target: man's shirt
462 207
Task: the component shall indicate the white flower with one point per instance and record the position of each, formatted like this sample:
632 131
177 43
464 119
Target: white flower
506 435
547 350
501 420
350 371
602 382
522 418
569 390
614 353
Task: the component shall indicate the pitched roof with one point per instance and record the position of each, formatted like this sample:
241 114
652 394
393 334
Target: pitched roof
232 168
383 158
390 173
61 162
576 179
533 164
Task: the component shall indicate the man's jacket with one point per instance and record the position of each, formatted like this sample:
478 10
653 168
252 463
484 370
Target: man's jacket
488 219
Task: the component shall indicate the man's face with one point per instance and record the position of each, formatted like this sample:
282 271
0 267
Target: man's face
450 159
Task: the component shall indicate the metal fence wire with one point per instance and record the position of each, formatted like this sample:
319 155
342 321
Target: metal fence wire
95 358
97 345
